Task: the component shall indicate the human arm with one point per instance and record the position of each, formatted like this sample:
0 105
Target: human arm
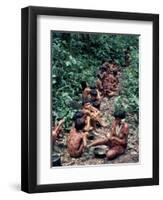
118 141
102 141
56 130
85 138
95 111
88 123
98 95
81 149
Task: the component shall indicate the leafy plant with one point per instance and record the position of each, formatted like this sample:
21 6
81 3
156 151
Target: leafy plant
76 57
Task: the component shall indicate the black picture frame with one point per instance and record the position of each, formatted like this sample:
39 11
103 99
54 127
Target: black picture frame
29 99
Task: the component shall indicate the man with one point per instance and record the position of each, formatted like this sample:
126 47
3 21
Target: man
77 139
116 140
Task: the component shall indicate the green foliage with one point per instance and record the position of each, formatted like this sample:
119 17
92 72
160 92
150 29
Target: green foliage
76 57
129 98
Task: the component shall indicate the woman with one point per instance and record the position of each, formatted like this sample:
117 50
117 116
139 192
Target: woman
116 140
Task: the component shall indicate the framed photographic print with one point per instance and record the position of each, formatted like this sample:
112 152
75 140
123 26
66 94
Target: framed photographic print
90 99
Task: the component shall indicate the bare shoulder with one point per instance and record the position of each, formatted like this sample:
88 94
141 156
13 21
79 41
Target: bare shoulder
126 128
72 130
126 125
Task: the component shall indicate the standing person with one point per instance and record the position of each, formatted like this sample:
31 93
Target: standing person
116 140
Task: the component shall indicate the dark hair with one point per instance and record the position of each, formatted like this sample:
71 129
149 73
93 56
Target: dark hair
104 60
85 101
103 68
110 61
96 104
84 85
78 114
115 73
128 48
79 124
99 76
120 114
93 87
105 65
93 92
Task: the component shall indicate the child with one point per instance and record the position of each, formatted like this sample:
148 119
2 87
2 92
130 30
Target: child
77 139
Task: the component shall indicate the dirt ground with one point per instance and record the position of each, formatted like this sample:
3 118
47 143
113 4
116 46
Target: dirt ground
131 154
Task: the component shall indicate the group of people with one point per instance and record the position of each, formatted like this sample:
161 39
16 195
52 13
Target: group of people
108 79
90 117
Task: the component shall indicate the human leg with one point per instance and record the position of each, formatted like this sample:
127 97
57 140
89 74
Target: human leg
114 152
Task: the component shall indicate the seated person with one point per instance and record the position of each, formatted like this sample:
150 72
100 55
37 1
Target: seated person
101 75
56 130
91 110
77 139
95 98
109 65
86 118
94 88
78 114
85 90
116 140
102 71
106 64
115 68
115 80
94 114
110 85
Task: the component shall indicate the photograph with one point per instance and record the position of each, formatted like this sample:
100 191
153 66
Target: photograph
94 98
90 99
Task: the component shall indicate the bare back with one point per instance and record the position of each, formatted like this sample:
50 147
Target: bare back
75 143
